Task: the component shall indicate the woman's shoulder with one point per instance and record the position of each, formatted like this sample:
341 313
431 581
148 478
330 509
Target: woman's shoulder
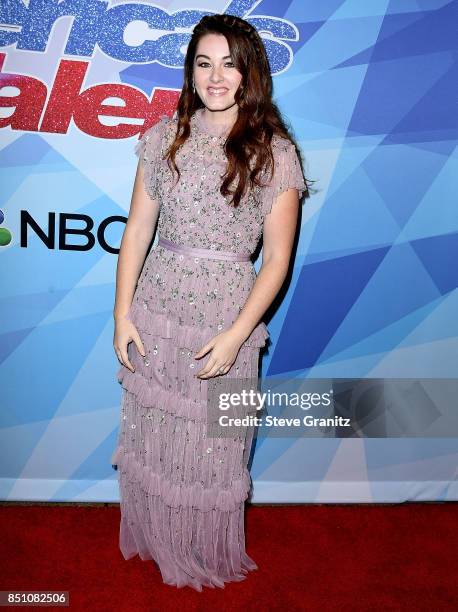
287 172
169 125
284 151
281 143
158 128
152 137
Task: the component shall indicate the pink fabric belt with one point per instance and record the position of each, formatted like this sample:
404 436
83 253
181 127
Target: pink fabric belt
208 253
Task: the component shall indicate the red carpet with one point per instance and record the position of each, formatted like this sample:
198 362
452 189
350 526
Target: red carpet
313 557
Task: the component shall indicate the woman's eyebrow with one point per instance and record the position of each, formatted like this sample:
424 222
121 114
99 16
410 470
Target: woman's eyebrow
202 55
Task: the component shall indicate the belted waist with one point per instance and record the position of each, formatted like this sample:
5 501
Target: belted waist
206 253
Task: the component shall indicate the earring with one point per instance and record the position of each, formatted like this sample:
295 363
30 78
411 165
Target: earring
193 88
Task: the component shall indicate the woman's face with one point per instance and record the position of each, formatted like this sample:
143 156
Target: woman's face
215 77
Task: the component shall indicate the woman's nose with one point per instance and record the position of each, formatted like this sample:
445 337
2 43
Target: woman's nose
215 75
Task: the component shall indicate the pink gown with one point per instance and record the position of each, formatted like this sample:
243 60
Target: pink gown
182 494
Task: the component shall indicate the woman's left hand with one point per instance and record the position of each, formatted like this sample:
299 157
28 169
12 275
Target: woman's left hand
225 347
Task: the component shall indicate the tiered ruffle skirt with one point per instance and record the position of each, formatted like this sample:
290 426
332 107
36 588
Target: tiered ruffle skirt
182 493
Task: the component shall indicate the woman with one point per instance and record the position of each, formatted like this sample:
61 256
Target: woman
195 312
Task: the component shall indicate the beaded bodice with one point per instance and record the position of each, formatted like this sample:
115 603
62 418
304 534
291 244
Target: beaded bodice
193 211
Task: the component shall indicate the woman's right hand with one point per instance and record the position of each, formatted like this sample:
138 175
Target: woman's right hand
125 332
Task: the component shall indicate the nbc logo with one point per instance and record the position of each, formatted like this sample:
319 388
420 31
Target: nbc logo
5 234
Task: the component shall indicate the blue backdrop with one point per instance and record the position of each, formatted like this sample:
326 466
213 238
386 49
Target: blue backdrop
369 89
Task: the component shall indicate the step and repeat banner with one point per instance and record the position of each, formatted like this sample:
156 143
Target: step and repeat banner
370 308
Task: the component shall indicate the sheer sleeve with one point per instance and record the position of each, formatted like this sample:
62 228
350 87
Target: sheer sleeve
148 150
287 173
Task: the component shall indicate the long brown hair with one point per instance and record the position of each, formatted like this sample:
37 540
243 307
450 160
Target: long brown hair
247 146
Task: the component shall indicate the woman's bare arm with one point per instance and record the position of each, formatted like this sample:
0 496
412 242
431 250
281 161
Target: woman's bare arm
278 238
137 236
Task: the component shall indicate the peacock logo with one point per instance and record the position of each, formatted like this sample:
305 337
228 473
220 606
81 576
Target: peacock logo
5 234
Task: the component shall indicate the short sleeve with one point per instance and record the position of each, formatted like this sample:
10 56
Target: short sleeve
148 150
287 174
